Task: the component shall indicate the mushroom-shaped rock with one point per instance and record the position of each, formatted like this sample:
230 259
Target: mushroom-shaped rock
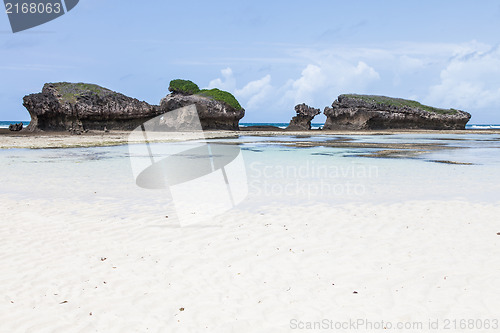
216 109
302 121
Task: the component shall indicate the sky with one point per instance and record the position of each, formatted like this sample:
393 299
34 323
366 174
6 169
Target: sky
270 54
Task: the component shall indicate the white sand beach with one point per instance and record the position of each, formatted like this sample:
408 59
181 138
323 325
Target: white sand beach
69 267
85 250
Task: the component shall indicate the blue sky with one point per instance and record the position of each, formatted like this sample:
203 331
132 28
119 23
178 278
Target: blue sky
270 54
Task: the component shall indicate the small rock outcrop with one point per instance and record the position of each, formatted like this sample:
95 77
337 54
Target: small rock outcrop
354 112
16 127
77 107
302 121
217 109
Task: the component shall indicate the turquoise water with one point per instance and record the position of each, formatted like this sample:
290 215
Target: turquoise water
5 124
353 178
276 172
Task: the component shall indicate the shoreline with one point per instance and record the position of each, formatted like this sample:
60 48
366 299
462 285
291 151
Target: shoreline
44 139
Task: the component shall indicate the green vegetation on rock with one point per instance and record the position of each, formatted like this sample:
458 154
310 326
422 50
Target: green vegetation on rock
190 88
221 96
398 102
70 91
183 86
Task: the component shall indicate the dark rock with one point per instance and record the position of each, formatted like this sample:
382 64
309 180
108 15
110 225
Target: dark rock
353 112
302 121
77 107
16 127
213 114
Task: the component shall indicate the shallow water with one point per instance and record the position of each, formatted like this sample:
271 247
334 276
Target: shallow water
276 172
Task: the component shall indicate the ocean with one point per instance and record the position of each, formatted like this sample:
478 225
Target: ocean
6 123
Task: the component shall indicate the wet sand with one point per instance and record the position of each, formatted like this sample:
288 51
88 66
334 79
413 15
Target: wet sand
26 139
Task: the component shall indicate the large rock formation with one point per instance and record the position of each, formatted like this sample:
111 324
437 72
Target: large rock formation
217 109
352 112
302 121
79 106
213 114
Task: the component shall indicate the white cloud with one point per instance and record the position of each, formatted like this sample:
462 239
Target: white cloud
409 64
462 75
227 83
256 92
322 82
364 71
469 81
306 87
252 95
318 85
405 65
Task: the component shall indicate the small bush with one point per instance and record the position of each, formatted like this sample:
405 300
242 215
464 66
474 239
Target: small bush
183 86
222 96
187 87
